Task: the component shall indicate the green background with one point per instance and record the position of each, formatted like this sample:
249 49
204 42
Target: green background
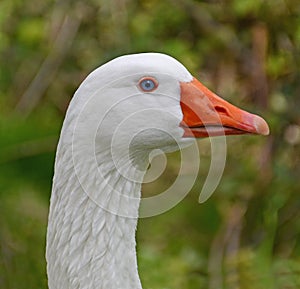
247 234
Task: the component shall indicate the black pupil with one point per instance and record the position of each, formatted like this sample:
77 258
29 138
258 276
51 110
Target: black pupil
148 84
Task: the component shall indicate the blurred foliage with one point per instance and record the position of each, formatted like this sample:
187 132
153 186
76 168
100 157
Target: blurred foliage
248 234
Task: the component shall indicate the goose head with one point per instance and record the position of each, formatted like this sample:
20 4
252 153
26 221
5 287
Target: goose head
137 103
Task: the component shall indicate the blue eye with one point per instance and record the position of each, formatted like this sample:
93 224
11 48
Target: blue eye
148 84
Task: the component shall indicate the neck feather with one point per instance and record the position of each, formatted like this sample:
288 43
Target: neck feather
92 224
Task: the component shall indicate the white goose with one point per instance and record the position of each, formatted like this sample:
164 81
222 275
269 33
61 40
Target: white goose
120 113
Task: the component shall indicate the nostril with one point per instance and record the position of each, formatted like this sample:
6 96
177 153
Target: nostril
221 110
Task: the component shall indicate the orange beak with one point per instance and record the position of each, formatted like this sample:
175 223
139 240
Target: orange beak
206 114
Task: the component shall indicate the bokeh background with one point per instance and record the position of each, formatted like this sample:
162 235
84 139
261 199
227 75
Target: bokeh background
247 235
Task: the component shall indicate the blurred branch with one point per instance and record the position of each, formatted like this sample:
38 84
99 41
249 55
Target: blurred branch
225 248
50 66
215 261
259 80
260 92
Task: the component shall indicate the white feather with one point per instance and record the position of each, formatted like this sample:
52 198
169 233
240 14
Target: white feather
99 169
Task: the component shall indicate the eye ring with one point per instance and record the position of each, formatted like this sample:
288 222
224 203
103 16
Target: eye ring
148 84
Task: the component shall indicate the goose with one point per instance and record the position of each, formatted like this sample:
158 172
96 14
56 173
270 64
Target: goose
121 112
